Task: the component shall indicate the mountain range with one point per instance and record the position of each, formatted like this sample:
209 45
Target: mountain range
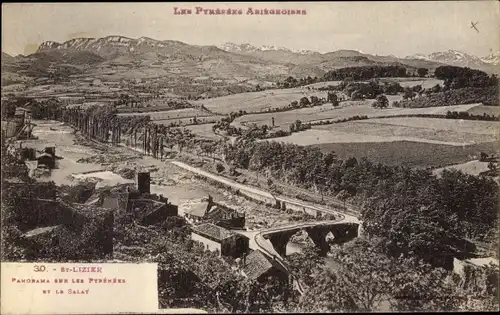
120 57
451 57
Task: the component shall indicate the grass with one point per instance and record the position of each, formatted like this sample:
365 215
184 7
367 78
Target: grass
204 130
410 82
257 101
411 154
184 121
472 167
170 114
452 125
484 109
438 131
346 109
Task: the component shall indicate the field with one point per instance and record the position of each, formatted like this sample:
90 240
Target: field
484 109
426 83
204 130
345 110
438 131
188 121
257 101
416 142
323 84
171 114
411 154
473 167
487 128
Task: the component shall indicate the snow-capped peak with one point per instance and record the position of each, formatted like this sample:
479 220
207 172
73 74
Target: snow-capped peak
239 48
493 58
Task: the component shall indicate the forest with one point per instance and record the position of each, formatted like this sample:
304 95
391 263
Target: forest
468 95
365 73
460 77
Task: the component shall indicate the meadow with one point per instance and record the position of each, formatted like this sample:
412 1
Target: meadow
170 114
345 110
188 121
434 130
410 154
252 102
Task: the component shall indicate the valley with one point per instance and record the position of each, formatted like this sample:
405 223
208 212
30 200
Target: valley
257 178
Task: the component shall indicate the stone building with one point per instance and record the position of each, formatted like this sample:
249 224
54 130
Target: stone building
205 210
221 240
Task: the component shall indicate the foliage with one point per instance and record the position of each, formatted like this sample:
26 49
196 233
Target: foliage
458 77
416 213
219 168
381 102
364 279
422 72
468 95
365 73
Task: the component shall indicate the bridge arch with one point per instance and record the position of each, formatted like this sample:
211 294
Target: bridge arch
342 232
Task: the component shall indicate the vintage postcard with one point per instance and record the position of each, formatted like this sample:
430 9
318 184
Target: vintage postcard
250 157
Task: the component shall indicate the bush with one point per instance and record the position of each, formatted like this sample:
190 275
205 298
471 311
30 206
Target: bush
219 168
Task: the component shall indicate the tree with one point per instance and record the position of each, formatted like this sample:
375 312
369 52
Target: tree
381 101
304 101
356 95
483 157
314 100
492 166
365 279
332 98
422 72
343 196
436 88
219 168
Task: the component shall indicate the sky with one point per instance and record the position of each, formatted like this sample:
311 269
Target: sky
383 28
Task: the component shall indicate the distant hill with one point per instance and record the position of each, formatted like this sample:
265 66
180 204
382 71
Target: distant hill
6 57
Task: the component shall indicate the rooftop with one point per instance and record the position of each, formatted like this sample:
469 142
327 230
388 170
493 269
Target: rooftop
41 230
256 264
195 207
213 231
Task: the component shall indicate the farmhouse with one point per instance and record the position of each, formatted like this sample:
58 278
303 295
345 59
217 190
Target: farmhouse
219 239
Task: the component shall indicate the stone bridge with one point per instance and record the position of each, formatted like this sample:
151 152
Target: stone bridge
342 231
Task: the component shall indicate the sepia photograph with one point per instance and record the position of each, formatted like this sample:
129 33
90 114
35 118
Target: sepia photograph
258 157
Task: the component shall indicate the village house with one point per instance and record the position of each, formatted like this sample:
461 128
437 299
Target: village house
145 207
221 240
207 211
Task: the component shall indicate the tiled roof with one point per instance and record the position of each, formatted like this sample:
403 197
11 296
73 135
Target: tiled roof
212 231
256 264
195 207
41 230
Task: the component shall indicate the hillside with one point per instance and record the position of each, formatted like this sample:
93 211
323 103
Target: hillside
306 59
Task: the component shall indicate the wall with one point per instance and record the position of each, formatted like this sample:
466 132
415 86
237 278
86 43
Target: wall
212 246
257 197
298 208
